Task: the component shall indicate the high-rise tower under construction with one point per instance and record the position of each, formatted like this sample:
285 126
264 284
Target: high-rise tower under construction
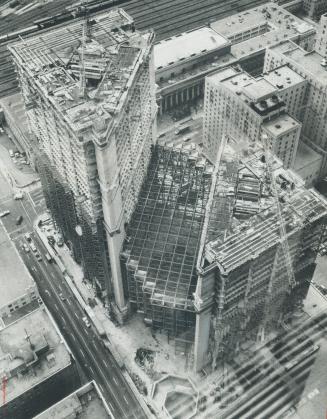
89 94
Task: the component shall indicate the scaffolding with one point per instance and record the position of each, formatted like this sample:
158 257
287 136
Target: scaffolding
85 238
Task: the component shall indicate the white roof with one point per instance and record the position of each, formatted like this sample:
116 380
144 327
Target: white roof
183 46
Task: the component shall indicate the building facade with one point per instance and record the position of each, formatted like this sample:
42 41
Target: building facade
310 66
91 105
245 108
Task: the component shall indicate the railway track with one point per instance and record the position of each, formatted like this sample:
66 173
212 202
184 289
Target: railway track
166 17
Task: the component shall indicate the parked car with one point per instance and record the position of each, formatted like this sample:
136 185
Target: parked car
60 241
11 153
38 257
26 248
32 246
4 213
51 240
19 220
28 237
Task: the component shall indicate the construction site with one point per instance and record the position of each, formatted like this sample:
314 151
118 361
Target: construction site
88 89
210 251
219 254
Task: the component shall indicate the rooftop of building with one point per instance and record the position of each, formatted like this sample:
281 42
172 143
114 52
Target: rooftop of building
111 54
261 231
31 350
258 93
274 16
15 278
305 156
281 125
308 62
283 77
276 24
186 46
85 403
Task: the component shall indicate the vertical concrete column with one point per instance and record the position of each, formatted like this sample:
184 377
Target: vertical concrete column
201 343
112 207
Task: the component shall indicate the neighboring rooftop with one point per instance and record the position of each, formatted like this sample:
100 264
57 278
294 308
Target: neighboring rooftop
281 125
261 27
112 53
31 350
85 403
309 62
283 76
187 45
15 278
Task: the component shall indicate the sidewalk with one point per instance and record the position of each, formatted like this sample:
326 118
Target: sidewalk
84 293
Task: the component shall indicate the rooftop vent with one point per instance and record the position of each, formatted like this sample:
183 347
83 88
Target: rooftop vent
278 126
279 86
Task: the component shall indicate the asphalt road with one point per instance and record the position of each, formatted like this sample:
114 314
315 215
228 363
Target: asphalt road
88 348
94 358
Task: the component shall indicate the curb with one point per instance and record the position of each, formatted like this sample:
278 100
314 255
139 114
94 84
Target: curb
92 317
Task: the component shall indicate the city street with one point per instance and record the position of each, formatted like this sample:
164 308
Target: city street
88 348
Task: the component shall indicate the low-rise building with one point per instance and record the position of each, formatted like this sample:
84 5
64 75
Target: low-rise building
36 366
18 289
86 402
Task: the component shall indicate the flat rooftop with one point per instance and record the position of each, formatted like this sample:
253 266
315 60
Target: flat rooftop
309 62
15 278
276 18
112 54
31 350
85 403
281 125
283 76
276 24
187 45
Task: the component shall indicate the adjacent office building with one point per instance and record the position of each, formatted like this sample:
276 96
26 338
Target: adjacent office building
310 66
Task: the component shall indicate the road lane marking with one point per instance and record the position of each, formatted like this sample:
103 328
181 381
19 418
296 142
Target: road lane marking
63 319
125 399
75 315
111 406
100 370
73 337
101 388
56 306
114 378
82 353
92 370
68 301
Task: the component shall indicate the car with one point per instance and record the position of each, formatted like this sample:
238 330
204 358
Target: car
4 213
51 240
48 257
11 153
33 248
18 195
19 220
86 321
26 248
38 257
62 297
60 242
17 154
28 237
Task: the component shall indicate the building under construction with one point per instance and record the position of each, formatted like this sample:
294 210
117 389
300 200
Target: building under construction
89 93
205 259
